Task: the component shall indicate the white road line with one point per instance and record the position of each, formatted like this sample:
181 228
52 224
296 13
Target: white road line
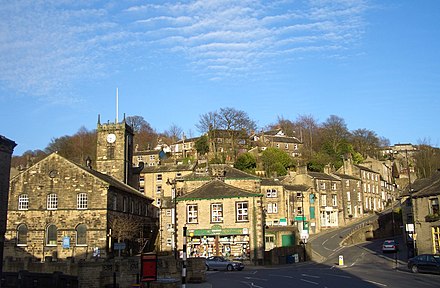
253 278
312 276
251 284
376 283
311 282
285 276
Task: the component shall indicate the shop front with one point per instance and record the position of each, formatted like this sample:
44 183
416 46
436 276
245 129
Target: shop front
231 243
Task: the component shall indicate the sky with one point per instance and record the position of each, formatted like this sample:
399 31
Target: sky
374 63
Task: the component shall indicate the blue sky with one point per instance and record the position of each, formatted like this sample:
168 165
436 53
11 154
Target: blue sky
374 63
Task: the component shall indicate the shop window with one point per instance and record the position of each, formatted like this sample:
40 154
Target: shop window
23 202
51 235
81 235
22 232
242 211
191 213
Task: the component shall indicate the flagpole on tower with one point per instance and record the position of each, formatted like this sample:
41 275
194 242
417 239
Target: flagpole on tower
117 91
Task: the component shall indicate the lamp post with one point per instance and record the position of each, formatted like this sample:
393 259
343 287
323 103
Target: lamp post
174 194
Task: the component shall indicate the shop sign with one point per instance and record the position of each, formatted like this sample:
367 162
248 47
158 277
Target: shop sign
217 230
300 218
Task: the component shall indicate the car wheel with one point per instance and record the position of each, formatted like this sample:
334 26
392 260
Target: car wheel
229 267
414 269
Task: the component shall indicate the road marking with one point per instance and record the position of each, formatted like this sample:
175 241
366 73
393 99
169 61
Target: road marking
253 278
312 276
376 283
311 282
285 276
251 284
340 276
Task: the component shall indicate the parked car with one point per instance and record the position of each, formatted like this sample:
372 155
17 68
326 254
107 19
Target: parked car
429 263
390 246
220 263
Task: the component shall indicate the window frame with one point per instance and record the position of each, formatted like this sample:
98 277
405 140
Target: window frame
52 201
22 234
81 237
51 237
241 212
82 201
217 214
23 202
192 214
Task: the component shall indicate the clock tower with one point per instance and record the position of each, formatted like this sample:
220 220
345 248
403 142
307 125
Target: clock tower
114 150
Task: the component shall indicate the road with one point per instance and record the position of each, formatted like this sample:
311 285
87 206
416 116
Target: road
364 265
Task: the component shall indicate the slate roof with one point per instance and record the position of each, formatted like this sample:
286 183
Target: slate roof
322 176
285 139
364 168
345 176
230 173
297 187
425 187
217 189
270 182
168 168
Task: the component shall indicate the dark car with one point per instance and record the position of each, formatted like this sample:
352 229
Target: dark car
390 246
429 263
220 263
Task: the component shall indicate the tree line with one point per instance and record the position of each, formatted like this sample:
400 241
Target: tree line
323 143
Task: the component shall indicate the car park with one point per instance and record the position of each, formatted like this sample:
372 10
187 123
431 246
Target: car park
390 246
221 263
429 263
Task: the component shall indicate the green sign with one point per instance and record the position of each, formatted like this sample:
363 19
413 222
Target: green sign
216 230
300 218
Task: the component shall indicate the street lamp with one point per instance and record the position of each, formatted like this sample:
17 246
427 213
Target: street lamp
174 194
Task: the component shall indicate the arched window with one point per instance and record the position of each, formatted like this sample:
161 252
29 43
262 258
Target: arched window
51 235
81 234
22 232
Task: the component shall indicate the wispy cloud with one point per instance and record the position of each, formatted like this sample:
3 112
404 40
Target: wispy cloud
46 46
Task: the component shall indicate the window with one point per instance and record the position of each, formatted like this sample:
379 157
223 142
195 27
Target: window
334 200
159 177
272 208
115 203
81 235
158 189
125 204
23 202
51 235
191 213
152 157
52 201
81 201
168 212
158 202
22 232
286 146
434 206
242 211
333 186
216 212
322 185
299 210
348 197
271 193
169 241
110 152
323 200
347 183
132 207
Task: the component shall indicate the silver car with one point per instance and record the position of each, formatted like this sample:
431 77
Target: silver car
220 263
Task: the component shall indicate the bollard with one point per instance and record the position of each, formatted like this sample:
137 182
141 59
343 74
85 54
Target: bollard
341 260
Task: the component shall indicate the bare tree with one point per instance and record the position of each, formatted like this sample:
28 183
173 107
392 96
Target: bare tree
174 132
145 137
365 142
124 227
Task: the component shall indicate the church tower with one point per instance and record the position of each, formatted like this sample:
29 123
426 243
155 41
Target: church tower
114 150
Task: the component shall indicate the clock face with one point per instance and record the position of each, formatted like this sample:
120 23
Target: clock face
111 138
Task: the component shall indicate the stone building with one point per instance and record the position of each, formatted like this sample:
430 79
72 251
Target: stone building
421 215
280 228
222 220
351 187
62 210
6 149
163 183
